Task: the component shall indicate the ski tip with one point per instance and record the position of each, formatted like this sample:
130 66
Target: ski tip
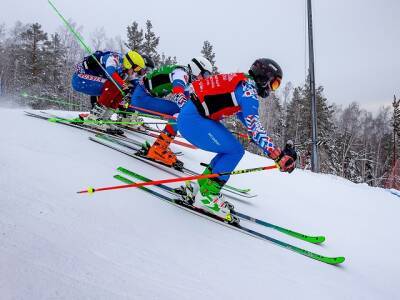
337 260
54 120
318 239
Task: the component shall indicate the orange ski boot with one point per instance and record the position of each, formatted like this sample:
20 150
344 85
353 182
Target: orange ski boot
160 152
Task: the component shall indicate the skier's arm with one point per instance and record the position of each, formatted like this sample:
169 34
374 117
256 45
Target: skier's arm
249 108
180 80
249 117
111 65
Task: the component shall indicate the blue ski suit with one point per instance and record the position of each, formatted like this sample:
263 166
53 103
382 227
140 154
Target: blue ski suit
89 78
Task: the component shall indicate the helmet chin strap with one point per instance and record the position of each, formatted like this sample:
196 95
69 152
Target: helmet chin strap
191 76
262 91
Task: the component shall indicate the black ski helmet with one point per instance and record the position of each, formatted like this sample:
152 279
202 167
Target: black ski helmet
148 62
267 74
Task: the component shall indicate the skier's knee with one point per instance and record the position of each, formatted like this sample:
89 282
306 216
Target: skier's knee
240 153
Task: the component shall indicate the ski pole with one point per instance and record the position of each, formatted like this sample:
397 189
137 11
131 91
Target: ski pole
55 120
84 46
242 135
153 112
119 111
60 101
179 179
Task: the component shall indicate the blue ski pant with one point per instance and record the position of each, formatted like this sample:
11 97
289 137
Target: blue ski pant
142 99
211 136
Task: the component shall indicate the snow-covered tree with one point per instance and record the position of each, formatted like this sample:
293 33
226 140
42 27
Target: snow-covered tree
135 37
299 125
167 60
55 66
207 52
396 116
150 44
98 39
34 43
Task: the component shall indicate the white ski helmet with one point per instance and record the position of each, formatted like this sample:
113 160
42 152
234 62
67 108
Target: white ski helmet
200 66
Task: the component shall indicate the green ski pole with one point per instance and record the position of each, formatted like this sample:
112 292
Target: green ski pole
84 46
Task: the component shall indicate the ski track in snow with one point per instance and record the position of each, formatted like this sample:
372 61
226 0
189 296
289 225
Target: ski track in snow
126 244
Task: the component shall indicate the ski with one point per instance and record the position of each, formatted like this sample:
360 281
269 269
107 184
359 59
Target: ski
240 228
110 142
127 144
46 116
301 236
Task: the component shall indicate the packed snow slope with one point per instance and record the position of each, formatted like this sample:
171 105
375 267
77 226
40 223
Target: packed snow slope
126 244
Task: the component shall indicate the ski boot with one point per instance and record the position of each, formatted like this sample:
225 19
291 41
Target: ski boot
144 149
187 192
208 198
160 151
215 204
98 117
132 118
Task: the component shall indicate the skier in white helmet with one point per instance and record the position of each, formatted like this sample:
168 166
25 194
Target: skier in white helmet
165 90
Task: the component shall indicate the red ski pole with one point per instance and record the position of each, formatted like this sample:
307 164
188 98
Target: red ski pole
179 179
152 112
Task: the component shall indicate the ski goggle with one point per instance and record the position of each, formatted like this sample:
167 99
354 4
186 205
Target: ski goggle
144 71
274 83
205 74
136 68
271 85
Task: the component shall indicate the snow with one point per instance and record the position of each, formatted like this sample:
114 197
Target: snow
126 244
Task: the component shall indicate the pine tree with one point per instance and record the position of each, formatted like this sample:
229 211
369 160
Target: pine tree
135 38
270 111
167 60
396 116
11 60
33 47
299 126
2 56
295 110
208 53
55 62
2 32
150 43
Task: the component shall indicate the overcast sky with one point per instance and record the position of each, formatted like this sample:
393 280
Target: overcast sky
357 42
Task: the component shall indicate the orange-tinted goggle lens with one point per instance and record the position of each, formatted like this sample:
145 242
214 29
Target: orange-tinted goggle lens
137 68
275 83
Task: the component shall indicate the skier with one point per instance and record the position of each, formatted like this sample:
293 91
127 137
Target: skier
214 98
171 82
95 80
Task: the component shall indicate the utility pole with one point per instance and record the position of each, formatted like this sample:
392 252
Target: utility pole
314 155
395 125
